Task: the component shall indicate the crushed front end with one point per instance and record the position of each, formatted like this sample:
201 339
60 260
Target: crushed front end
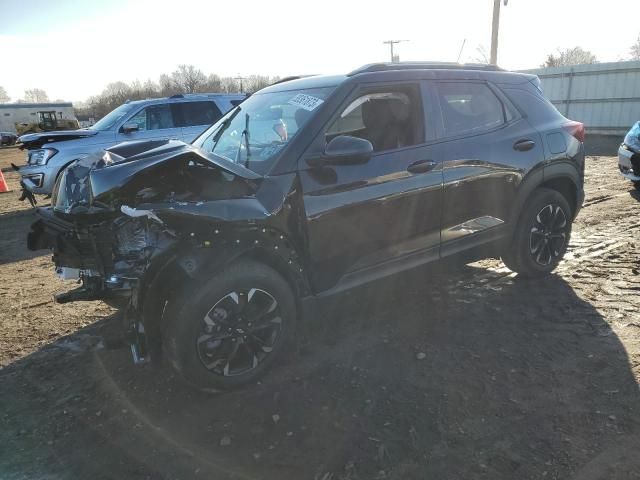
118 218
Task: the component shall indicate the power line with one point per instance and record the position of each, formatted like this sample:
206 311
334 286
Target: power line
391 43
241 79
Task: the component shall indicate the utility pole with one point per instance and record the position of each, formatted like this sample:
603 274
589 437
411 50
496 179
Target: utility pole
241 79
391 43
495 26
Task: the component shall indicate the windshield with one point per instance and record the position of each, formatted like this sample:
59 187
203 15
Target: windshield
111 118
260 127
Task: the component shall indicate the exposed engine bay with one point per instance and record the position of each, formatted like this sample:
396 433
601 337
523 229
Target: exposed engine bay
120 220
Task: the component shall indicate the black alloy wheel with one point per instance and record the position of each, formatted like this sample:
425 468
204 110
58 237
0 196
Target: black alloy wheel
549 235
239 332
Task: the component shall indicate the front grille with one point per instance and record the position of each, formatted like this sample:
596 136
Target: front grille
86 247
635 162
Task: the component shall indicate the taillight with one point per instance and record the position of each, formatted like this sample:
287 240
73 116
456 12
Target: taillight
575 129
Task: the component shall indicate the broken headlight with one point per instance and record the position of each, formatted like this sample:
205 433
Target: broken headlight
72 189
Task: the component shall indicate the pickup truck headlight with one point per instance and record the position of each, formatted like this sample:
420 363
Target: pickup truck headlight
40 156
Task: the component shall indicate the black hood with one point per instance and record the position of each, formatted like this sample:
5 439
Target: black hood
112 175
139 155
36 140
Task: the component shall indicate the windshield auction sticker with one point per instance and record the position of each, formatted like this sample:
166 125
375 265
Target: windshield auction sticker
307 102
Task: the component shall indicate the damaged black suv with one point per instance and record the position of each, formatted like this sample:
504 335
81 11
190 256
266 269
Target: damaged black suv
311 187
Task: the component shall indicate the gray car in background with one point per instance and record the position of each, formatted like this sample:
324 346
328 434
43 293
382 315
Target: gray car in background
8 138
629 156
180 117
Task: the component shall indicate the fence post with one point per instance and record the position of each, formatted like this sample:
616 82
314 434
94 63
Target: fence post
568 101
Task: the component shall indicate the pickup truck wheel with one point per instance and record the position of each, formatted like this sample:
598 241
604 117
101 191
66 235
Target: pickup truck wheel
541 236
225 332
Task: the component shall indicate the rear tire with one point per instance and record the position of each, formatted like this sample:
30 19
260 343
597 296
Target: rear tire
636 185
541 236
225 332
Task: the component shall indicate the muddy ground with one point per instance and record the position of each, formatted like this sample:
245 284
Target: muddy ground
516 379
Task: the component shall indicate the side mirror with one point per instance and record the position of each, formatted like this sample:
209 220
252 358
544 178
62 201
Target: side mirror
130 127
347 150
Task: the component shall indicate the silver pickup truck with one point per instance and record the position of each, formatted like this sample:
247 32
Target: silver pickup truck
180 117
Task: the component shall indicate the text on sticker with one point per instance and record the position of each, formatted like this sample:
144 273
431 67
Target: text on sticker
308 102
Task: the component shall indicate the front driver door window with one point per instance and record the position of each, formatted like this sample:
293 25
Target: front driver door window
363 215
154 122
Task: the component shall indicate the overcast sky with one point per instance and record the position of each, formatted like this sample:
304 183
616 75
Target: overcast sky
72 49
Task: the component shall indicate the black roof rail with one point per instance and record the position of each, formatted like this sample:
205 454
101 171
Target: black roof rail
384 67
289 78
177 95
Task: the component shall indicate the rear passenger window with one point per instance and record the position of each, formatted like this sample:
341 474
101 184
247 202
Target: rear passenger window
200 113
469 107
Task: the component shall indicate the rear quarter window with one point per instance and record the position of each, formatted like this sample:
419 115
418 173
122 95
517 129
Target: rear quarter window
538 109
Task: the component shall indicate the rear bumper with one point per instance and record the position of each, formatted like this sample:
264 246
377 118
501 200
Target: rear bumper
629 164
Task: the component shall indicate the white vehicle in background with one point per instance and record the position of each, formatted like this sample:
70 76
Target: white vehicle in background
629 156
180 117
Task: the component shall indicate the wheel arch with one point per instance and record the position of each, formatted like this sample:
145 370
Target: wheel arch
562 177
187 264
565 186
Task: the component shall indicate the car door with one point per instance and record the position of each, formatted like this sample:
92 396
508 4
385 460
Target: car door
153 122
368 220
196 117
486 146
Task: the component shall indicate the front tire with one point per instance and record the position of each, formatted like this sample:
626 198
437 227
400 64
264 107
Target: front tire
226 331
541 236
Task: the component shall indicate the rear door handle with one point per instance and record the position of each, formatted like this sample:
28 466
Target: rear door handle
524 145
421 166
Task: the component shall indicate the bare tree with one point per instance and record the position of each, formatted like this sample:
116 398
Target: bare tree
230 85
166 86
4 98
569 56
139 91
188 79
635 49
481 55
214 83
35 95
253 83
114 95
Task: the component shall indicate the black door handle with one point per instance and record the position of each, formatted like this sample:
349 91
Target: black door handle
421 166
524 145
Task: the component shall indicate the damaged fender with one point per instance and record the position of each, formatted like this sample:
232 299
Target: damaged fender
145 218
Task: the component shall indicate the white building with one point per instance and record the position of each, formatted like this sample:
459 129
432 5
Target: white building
12 113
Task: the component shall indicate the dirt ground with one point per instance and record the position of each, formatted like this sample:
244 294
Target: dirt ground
471 374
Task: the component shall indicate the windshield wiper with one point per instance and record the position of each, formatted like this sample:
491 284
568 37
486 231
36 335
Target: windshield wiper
244 136
223 126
